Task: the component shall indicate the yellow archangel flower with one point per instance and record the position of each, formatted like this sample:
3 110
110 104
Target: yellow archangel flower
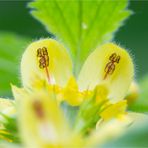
48 80
46 62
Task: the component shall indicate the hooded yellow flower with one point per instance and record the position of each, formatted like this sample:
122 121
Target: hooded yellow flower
43 124
46 61
48 82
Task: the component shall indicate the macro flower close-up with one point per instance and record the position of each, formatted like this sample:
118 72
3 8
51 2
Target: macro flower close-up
68 82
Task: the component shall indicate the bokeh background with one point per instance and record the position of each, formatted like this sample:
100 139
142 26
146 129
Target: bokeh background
15 17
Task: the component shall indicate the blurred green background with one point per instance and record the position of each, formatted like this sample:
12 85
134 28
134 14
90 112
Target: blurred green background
15 17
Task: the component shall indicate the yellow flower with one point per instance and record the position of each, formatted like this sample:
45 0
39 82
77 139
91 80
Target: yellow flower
46 62
109 65
42 123
48 127
48 82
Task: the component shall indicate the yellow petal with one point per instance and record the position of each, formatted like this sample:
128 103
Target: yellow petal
7 108
109 65
133 93
47 126
5 103
108 131
39 85
71 93
137 118
45 59
101 94
114 110
18 93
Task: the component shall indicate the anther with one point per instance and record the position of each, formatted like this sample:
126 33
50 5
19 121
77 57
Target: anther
43 56
110 66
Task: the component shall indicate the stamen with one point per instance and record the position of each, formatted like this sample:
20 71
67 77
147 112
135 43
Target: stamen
37 106
42 53
110 66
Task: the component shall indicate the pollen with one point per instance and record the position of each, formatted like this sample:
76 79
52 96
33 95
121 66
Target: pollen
110 66
43 56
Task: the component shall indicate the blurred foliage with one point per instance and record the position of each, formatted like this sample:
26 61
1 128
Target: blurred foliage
15 17
11 47
79 29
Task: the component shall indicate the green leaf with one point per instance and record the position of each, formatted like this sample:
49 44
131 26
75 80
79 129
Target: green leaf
11 47
141 104
81 25
9 129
